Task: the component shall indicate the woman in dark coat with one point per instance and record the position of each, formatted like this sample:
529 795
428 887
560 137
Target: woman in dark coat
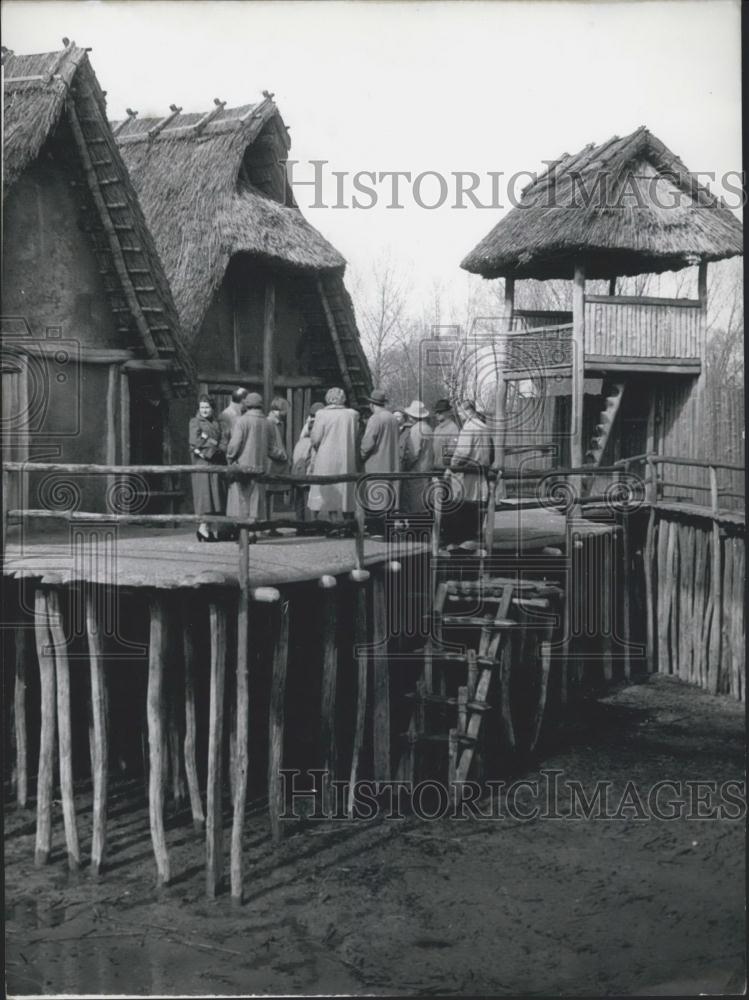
205 449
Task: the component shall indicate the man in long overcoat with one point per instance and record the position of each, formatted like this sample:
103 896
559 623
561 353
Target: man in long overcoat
253 446
230 414
380 453
468 467
418 457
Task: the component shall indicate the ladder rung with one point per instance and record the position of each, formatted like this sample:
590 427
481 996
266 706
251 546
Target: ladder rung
482 661
493 623
442 699
438 738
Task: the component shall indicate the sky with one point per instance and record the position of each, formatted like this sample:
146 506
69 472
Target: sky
441 86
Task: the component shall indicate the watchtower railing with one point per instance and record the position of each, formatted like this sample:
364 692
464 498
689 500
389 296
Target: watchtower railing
630 326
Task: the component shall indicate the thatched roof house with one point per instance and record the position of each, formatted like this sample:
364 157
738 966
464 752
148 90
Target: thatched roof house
54 110
214 190
627 206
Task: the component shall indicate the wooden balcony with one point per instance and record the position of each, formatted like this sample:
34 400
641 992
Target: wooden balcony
622 333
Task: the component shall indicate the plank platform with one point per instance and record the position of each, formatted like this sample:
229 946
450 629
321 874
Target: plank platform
175 559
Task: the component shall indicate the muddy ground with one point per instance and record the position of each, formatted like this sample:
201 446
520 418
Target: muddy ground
626 905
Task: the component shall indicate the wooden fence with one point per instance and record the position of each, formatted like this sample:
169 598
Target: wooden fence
695 562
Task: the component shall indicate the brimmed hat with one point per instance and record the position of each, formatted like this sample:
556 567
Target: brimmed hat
315 408
442 406
417 410
378 396
253 401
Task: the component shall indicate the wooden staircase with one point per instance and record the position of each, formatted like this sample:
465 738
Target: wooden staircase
614 392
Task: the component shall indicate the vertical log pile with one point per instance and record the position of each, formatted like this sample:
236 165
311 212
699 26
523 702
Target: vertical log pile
695 569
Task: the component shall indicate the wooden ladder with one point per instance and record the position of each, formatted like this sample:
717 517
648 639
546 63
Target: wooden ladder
446 713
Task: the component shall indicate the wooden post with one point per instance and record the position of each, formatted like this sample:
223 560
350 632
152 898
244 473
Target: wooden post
269 338
500 398
626 583
578 367
329 680
381 678
648 553
191 767
716 587
19 716
612 286
243 709
100 735
64 729
360 645
214 825
47 735
276 722
156 747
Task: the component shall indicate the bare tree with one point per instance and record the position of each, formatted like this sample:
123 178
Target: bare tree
382 308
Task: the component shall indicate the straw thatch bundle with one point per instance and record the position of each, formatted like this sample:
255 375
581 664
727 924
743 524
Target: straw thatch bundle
46 97
628 206
202 209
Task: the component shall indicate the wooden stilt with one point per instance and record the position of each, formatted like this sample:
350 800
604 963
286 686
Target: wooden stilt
381 678
627 579
156 747
100 734
716 587
276 722
48 724
191 767
649 595
64 729
360 644
606 606
214 825
329 683
243 712
19 716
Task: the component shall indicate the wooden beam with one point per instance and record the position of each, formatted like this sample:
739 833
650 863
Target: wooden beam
64 728
381 679
269 341
578 365
276 722
112 238
361 651
642 300
45 775
100 735
214 824
19 715
156 748
337 346
500 398
243 715
191 767
329 684
234 378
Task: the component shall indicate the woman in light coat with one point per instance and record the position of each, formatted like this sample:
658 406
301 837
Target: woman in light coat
333 438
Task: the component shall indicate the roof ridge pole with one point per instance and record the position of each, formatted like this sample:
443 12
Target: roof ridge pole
340 355
578 372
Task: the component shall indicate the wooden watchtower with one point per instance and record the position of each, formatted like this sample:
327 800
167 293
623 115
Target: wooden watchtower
620 375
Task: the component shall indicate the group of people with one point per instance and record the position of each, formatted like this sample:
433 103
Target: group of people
338 440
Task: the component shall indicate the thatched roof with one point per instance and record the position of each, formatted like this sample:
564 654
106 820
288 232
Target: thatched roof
628 206
53 100
202 208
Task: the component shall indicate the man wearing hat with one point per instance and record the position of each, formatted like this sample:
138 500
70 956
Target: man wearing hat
229 416
418 457
252 445
468 466
379 452
445 434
